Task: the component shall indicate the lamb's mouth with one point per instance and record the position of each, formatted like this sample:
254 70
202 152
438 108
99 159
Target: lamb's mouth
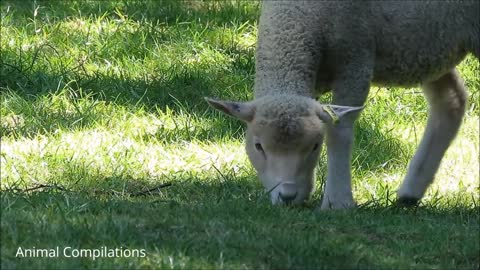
288 200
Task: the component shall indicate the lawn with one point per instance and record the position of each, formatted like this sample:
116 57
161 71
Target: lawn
106 143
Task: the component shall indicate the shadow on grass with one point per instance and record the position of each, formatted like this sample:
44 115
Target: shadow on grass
376 150
215 224
167 11
224 221
177 86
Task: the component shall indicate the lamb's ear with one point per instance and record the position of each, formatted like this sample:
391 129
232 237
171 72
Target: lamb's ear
241 110
332 114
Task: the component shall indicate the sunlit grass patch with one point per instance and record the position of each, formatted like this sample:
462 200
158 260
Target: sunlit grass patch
111 153
459 172
456 180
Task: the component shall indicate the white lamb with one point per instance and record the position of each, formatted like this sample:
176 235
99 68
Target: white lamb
306 48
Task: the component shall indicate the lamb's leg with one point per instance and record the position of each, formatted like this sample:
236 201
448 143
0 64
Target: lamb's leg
447 98
338 188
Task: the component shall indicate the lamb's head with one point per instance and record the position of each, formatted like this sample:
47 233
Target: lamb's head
283 140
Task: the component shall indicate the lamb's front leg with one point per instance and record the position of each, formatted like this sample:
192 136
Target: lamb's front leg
338 189
349 92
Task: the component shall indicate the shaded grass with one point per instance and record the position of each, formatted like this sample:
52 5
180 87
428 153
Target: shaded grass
368 237
105 99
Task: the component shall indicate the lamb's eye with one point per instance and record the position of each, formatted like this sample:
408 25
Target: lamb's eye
315 147
259 147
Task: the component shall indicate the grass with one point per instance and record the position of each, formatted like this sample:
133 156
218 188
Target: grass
102 100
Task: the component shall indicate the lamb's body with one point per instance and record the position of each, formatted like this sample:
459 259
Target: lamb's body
399 42
434 45
308 47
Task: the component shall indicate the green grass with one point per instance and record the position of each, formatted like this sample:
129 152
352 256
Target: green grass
101 100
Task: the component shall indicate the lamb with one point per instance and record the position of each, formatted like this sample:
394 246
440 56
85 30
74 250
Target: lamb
306 48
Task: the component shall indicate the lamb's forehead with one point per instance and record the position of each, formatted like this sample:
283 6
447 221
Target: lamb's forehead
287 120
285 106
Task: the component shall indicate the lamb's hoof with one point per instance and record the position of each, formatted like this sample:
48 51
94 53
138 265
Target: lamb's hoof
407 202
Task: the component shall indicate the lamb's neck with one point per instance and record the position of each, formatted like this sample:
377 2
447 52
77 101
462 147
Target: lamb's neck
274 92
275 87
277 73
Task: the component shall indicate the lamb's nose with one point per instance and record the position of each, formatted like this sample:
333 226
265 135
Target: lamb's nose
288 192
287 198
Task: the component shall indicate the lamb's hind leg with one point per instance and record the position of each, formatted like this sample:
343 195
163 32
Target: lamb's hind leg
447 98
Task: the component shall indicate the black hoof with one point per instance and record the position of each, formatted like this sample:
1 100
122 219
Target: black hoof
407 201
